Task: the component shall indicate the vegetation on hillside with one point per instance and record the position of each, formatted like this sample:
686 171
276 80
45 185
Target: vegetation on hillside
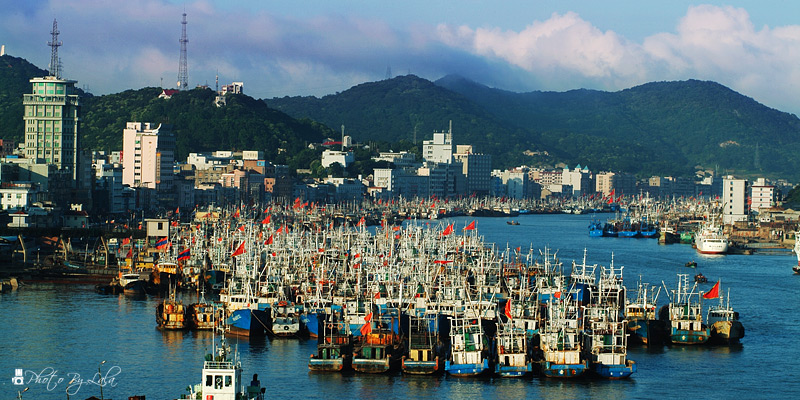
656 128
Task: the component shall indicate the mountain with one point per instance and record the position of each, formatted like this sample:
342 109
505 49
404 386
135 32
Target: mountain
244 124
391 110
692 123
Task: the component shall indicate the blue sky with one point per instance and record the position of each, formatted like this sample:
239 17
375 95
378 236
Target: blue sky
288 48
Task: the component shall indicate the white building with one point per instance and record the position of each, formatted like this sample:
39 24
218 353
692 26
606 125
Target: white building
734 200
329 157
762 195
440 149
20 196
147 156
580 179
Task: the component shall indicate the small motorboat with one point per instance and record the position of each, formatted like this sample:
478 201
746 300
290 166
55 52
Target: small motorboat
691 264
700 278
512 222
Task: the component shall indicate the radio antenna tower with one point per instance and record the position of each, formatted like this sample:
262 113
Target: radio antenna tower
183 70
54 44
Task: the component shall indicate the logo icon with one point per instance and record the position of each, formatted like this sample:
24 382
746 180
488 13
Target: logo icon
18 378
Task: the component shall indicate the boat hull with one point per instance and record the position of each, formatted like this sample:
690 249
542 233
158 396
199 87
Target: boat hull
247 322
467 370
513 371
689 337
421 367
330 364
553 370
726 332
615 371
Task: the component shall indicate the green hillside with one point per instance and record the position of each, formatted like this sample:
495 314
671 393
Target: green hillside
674 126
392 109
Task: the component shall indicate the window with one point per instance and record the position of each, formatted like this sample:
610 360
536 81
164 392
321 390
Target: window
209 380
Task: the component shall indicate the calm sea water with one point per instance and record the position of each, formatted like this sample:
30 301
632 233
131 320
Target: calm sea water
61 331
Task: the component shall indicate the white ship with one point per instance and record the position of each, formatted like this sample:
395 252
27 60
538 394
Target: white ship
711 240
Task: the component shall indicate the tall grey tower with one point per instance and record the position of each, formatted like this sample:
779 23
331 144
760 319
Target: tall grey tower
54 44
183 70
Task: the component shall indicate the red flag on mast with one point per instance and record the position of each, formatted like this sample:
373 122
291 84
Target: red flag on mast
713 293
239 251
508 309
470 227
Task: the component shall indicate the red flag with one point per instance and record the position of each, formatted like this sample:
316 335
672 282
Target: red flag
269 240
367 327
125 241
448 230
612 193
508 309
178 210
266 220
130 253
241 228
470 227
378 295
236 214
557 295
360 222
280 230
239 251
713 293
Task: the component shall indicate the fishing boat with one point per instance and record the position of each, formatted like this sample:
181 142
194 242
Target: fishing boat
595 228
691 264
203 316
334 347
710 239
643 325
647 229
796 249
379 348
700 278
424 347
285 319
469 346
560 341
723 320
605 337
170 313
222 378
513 351
684 315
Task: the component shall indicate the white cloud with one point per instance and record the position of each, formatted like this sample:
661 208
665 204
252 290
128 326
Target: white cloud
113 46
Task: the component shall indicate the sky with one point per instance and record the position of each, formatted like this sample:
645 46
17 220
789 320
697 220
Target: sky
318 47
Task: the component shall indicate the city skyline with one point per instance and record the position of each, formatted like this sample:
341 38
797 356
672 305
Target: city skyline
318 47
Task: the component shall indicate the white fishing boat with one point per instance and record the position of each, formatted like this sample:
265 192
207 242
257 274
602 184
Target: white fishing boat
222 378
710 239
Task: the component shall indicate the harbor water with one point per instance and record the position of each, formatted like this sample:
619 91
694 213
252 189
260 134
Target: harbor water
56 333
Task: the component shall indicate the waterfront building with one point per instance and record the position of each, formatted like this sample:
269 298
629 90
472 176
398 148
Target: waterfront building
148 156
52 125
18 196
7 147
400 160
345 158
734 200
762 195
477 168
581 180
346 189
440 149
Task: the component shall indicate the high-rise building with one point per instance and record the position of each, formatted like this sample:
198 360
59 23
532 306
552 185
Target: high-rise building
734 200
440 149
148 156
52 124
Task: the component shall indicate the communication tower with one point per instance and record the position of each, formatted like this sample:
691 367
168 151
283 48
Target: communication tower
55 63
183 70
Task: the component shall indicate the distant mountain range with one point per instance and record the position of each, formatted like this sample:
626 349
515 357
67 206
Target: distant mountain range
660 128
